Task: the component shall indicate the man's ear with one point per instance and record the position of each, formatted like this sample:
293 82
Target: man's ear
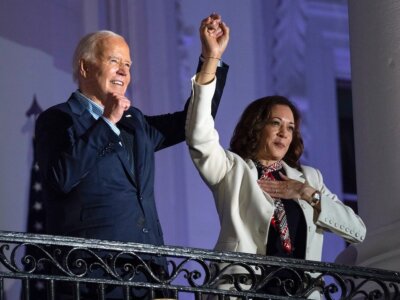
83 68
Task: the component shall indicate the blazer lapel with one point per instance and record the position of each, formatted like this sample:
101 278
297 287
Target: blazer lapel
132 125
253 169
85 119
293 173
123 157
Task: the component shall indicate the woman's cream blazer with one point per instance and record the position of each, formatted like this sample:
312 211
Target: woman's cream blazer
244 210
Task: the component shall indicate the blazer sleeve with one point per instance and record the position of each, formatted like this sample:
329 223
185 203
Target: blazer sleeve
335 216
171 127
210 159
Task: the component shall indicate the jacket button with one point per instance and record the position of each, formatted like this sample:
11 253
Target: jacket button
145 230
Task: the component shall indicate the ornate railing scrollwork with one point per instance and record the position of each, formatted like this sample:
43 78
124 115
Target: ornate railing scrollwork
197 271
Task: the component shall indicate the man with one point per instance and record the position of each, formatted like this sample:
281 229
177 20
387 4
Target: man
96 151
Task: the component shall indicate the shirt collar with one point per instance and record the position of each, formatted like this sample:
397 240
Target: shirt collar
95 109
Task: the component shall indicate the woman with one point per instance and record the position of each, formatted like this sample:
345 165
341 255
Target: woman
267 202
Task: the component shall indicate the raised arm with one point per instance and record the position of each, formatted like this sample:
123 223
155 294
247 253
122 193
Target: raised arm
208 156
214 35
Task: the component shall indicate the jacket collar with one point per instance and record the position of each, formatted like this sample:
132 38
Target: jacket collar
75 104
83 116
293 173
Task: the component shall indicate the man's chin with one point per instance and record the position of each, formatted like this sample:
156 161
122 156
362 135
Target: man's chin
118 91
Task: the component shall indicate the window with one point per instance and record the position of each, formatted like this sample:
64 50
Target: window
346 136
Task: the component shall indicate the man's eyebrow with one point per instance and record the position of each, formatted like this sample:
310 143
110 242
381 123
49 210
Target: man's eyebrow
113 56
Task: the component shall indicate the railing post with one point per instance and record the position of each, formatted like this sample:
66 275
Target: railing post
1 289
77 293
50 290
101 291
198 296
25 289
127 292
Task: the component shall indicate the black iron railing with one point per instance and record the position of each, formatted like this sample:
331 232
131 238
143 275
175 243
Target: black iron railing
80 267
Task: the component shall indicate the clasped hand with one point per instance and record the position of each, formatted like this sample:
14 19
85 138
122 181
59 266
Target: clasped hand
214 36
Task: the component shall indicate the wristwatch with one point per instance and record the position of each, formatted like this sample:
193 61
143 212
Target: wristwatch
315 198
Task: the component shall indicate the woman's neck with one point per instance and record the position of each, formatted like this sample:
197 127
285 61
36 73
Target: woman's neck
266 162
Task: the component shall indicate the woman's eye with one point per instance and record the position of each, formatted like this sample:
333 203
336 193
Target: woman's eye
291 128
275 122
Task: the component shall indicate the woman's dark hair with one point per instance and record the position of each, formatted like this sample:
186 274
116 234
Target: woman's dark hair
246 137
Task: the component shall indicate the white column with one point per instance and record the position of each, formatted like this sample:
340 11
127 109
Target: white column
375 64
